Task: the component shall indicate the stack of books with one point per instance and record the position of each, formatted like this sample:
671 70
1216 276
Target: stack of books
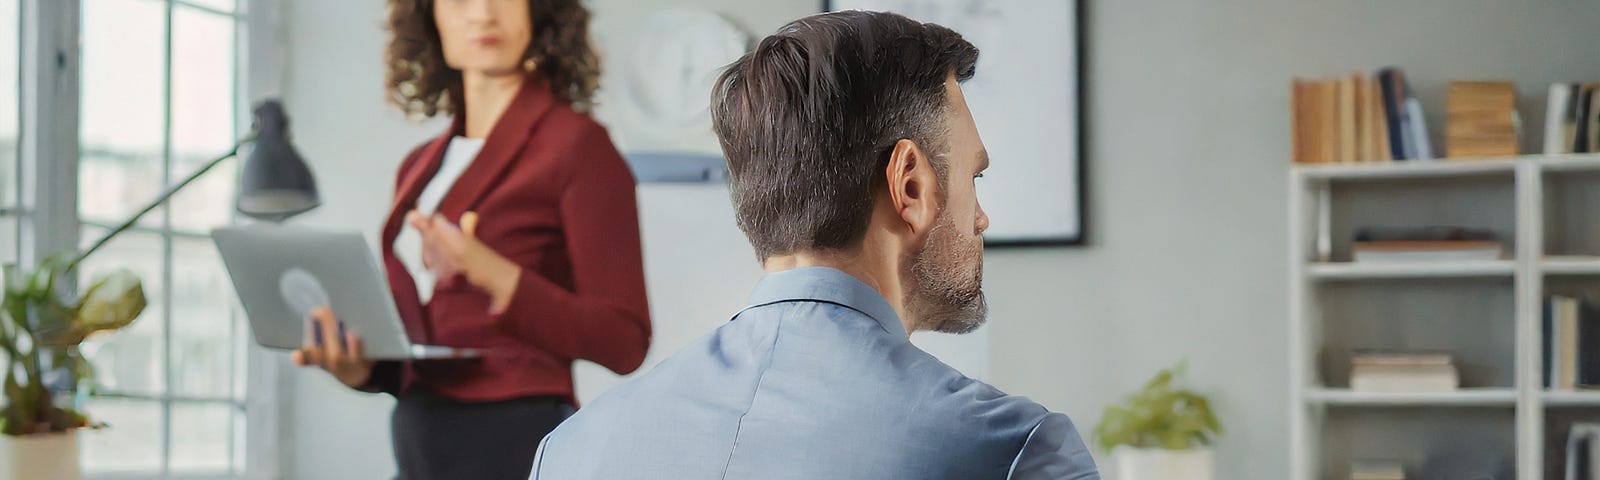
1572 120
1377 471
1403 372
1358 118
1422 244
1571 343
1482 120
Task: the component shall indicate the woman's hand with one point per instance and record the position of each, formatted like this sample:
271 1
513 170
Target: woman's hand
329 347
450 252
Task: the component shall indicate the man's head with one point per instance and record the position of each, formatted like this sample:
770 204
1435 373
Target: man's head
847 135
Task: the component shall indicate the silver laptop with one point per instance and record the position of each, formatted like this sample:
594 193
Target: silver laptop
283 273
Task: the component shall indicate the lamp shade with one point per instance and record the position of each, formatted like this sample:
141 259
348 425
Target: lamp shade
275 183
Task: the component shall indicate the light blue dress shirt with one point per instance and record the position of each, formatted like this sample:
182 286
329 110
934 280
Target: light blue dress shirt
815 380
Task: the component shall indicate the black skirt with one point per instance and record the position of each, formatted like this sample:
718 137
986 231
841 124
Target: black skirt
438 438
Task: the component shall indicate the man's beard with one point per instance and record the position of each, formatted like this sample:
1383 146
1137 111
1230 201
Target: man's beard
948 294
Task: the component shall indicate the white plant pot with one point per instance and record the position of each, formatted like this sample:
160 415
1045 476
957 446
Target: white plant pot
1162 464
53 456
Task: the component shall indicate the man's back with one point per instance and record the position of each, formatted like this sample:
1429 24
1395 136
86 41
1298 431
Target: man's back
817 379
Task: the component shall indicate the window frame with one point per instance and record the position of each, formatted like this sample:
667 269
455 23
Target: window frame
49 91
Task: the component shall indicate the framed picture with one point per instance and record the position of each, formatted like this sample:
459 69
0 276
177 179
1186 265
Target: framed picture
1027 99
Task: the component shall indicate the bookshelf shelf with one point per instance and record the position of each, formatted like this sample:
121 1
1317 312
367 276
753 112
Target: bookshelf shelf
1533 203
1584 162
1414 169
1576 398
1469 397
1463 269
1446 168
1570 265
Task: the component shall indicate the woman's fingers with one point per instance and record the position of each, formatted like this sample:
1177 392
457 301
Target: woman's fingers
331 340
469 224
353 347
311 357
417 220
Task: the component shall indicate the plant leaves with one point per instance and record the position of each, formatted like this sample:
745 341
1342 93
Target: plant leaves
18 412
113 301
63 419
36 315
1159 416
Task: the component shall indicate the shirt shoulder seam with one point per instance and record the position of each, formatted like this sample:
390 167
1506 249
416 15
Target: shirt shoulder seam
739 426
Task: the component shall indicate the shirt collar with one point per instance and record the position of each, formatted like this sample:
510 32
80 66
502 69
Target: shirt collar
823 284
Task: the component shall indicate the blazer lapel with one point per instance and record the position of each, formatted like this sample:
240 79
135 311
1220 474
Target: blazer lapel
506 140
415 180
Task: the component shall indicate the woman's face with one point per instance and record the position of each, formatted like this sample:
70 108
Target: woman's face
484 36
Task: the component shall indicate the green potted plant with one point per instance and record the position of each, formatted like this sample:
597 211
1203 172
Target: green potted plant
1162 432
41 327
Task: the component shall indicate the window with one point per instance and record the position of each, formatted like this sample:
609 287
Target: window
159 97
10 119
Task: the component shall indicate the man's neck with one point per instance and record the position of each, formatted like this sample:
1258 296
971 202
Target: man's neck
486 97
877 271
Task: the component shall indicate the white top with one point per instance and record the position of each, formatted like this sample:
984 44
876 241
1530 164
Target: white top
408 245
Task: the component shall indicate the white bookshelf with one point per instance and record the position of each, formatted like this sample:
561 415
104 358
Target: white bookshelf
1570 265
1491 310
1470 397
1356 271
1571 398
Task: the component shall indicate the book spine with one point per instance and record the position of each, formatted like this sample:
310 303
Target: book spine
1568 335
1297 121
1389 87
1580 141
1594 118
1557 113
1419 128
1588 344
1545 338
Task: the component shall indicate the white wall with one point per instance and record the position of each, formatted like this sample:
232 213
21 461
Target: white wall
333 94
1188 144
1188 158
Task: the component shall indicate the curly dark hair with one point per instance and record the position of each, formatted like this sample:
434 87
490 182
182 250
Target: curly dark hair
421 84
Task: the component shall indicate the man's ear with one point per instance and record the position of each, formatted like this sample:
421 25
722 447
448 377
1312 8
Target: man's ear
912 187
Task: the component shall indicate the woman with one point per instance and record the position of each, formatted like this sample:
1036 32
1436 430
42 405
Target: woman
545 266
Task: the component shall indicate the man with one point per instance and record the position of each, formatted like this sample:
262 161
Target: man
853 158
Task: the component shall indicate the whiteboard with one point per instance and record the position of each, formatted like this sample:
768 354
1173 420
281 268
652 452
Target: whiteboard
1026 100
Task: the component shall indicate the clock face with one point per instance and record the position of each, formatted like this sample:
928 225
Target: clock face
676 62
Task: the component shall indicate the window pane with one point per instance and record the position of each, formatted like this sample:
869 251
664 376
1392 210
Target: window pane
113 184
123 81
131 442
8 239
243 342
10 97
200 433
203 117
202 321
129 360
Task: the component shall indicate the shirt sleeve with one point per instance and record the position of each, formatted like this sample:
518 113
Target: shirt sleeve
1055 451
385 377
605 317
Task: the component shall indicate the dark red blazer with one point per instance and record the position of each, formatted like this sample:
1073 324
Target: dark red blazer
553 195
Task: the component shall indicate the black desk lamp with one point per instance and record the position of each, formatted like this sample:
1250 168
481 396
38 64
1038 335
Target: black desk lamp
274 182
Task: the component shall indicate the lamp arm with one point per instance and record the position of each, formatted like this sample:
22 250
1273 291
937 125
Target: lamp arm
161 199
